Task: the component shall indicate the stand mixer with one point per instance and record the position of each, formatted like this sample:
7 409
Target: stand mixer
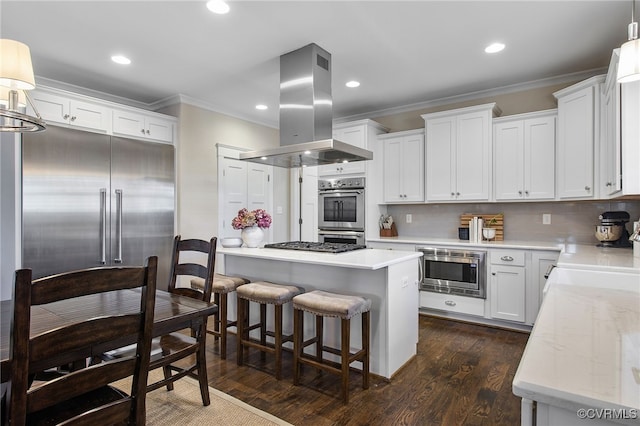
612 231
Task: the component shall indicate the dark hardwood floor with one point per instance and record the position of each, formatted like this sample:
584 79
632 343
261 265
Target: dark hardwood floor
461 376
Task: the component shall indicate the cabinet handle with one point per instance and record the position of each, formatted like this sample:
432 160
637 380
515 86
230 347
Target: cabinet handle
148 132
66 116
73 118
493 273
507 258
142 131
520 193
608 184
587 188
450 303
526 193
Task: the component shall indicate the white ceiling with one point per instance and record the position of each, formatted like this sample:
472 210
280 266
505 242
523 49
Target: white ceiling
403 52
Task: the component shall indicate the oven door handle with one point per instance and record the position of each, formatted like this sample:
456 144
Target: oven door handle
341 233
346 191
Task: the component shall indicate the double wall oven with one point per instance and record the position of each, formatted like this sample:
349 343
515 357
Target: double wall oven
341 206
454 271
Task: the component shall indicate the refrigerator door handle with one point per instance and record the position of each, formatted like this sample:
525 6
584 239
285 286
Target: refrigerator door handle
118 258
103 226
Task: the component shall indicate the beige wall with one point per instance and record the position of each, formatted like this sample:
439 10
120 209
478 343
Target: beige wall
511 103
199 131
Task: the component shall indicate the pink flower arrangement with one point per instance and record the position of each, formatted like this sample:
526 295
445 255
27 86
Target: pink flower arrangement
247 219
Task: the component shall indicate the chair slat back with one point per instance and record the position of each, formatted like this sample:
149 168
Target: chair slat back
31 354
179 268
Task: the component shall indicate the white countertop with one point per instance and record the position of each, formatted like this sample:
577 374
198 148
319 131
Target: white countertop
358 259
584 349
599 259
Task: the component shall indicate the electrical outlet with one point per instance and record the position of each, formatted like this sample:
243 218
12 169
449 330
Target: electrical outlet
409 218
546 219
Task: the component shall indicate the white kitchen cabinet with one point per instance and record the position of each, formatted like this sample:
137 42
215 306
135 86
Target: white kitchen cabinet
142 126
578 136
403 172
524 156
452 303
541 261
357 133
508 285
71 112
458 153
610 180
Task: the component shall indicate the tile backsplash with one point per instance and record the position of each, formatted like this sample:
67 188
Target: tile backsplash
571 222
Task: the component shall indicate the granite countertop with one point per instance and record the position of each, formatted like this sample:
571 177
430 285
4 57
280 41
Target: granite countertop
584 349
371 259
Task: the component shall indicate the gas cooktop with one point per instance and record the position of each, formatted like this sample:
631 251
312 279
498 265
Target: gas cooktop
318 247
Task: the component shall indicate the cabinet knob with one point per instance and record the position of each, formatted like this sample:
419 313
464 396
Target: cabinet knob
73 118
520 193
142 131
493 273
453 194
457 194
587 188
450 303
526 193
148 132
608 184
66 116
506 259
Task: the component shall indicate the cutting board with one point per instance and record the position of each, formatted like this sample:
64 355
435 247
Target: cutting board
499 225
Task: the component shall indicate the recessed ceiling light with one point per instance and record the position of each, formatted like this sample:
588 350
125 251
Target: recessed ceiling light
352 83
494 48
307 152
261 107
218 6
263 158
122 60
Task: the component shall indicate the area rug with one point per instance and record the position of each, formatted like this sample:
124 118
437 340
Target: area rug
183 406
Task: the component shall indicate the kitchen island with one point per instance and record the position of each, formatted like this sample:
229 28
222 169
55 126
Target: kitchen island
388 277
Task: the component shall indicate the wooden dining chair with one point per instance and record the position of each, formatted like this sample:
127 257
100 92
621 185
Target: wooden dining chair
178 345
83 396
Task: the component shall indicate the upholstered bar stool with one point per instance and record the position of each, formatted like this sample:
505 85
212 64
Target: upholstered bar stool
324 304
263 293
222 286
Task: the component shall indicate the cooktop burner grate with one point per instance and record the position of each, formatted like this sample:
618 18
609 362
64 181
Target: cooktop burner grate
317 247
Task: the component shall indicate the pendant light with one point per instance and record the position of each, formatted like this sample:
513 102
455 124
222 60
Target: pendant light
16 78
629 64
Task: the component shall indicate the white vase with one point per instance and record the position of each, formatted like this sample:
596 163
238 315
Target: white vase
252 237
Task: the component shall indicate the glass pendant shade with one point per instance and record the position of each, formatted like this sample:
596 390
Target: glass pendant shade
629 64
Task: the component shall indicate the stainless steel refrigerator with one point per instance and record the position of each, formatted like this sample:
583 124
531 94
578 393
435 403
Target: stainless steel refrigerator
93 200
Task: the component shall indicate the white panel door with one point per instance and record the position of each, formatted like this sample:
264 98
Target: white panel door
440 141
472 155
234 193
509 152
412 168
539 158
393 168
259 191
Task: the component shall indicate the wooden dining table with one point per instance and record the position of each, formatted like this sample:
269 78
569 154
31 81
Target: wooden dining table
172 313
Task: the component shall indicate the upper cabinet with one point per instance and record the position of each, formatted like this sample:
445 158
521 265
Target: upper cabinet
358 133
578 127
524 156
403 166
458 153
143 126
72 112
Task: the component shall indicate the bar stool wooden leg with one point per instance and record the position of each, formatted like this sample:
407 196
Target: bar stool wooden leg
366 341
278 340
298 339
344 352
319 337
222 324
243 308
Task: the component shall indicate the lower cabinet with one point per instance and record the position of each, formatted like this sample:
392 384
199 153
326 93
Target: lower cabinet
508 283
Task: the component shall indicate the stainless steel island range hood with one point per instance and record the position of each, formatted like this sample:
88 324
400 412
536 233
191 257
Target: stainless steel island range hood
306 115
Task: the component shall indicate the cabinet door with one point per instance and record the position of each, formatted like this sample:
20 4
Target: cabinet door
472 156
412 168
393 169
576 144
508 293
127 123
234 193
89 116
539 158
440 147
159 129
509 153
52 108
258 190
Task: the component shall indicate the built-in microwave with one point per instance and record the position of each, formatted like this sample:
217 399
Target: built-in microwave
454 271
341 204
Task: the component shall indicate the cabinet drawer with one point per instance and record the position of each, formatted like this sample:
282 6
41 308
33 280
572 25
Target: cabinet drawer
507 257
452 303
